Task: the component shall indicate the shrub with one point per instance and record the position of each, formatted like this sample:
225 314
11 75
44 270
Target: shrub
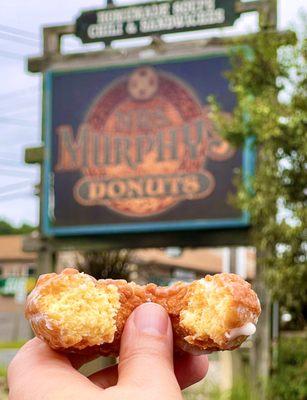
289 380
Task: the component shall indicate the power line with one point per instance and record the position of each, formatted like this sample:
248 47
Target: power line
10 162
21 101
14 163
22 112
13 172
16 31
9 188
17 169
10 155
16 121
9 54
17 39
17 108
18 92
17 195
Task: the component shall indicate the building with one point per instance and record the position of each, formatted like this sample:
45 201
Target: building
165 266
17 270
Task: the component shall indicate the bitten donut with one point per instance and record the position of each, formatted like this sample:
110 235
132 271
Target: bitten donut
73 312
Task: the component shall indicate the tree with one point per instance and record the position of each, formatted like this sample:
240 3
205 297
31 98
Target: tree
104 264
269 79
7 229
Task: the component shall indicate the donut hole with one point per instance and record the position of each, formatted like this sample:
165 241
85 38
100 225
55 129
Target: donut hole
209 312
83 311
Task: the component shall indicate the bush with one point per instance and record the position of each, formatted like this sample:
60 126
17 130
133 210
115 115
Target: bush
241 390
3 371
3 383
289 380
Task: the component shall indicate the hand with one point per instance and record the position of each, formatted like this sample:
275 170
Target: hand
146 369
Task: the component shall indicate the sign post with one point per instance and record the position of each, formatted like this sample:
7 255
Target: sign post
129 156
188 185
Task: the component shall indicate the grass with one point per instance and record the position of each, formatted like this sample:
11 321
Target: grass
205 390
2 371
3 387
287 382
12 345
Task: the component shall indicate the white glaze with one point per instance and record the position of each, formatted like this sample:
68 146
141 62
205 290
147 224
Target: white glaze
245 330
48 325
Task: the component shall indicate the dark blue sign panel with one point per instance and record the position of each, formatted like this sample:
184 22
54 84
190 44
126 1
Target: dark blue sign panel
133 149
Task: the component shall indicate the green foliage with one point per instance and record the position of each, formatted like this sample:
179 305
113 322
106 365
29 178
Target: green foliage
241 390
7 229
205 391
289 381
270 82
12 345
3 371
3 384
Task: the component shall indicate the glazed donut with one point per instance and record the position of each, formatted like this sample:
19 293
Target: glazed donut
74 312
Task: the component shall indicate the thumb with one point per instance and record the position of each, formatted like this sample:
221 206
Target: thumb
146 354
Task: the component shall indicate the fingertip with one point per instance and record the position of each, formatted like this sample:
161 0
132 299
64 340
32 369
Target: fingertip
147 350
148 323
151 318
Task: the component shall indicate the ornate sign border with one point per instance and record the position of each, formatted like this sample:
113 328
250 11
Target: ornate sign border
137 227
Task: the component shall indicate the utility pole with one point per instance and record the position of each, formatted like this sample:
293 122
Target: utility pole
260 360
261 350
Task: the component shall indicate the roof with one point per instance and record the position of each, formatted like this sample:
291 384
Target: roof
196 259
200 259
11 249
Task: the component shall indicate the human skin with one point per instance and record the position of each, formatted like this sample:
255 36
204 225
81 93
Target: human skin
146 369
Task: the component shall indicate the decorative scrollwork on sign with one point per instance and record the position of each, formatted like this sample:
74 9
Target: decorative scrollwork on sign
143 145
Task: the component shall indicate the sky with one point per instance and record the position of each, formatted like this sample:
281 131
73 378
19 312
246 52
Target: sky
20 93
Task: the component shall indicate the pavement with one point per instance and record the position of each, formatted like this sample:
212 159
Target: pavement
13 325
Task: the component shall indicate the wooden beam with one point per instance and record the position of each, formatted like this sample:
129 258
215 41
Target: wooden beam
261 349
209 238
247 6
268 15
52 37
110 55
34 155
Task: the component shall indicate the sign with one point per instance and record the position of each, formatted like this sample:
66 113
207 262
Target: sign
133 149
15 286
154 19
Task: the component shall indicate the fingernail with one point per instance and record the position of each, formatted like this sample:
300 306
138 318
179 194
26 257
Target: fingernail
151 318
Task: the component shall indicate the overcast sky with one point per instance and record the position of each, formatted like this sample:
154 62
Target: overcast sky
20 110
